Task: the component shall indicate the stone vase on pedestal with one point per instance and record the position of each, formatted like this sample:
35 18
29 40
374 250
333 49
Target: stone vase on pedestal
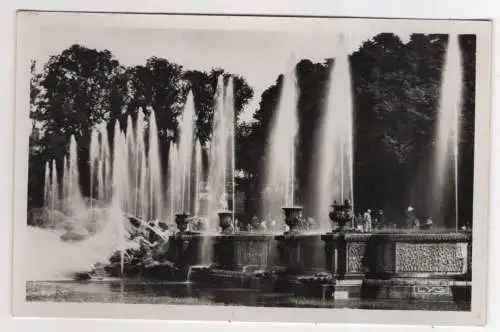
292 218
288 243
181 220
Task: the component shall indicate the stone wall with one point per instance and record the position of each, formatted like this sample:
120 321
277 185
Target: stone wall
375 256
408 254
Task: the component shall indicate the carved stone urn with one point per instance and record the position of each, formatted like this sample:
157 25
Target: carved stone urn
341 214
293 216
181 219
226 222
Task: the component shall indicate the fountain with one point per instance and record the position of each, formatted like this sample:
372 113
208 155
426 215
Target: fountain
445 171
280 168
335 147
54 191
221 163
155 171
198 181
172 189
184 162
93 163
46 185
126 177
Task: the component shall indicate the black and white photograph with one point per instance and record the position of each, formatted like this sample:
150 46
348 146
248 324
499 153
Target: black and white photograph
251 168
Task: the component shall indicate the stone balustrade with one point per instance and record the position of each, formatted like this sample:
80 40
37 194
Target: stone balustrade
352 255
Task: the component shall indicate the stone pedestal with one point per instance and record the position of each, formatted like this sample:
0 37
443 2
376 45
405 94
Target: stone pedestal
301 253
335 254
237 252
184 250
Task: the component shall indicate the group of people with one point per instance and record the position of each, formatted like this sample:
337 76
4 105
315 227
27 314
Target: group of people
369 221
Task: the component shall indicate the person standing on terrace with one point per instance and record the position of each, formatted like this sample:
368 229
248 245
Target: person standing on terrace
411 221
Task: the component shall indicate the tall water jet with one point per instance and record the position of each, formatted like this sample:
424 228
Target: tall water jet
132 167
54 192
198 177
185 153
46 185
105 163
335 140
172 172
155 178
231 148
445 173
74 200
93 162
140 177
66 177
220 156
280 168
119 180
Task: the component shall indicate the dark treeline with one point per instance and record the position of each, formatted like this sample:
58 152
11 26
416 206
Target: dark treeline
396 89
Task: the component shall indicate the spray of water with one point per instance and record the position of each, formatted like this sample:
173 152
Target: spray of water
280 169
448 133
335 147
229 111
46 184
185 155
172 188
198 177
93 162
155 172
220 157
54 191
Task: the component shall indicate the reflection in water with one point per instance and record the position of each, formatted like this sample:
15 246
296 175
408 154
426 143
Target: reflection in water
130 291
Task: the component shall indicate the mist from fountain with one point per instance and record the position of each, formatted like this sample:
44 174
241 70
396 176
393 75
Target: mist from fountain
445 172
281 153
335 141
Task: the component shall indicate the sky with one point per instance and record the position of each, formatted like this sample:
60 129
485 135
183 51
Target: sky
258 57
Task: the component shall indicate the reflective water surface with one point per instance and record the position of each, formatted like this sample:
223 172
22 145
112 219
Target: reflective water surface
145 292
